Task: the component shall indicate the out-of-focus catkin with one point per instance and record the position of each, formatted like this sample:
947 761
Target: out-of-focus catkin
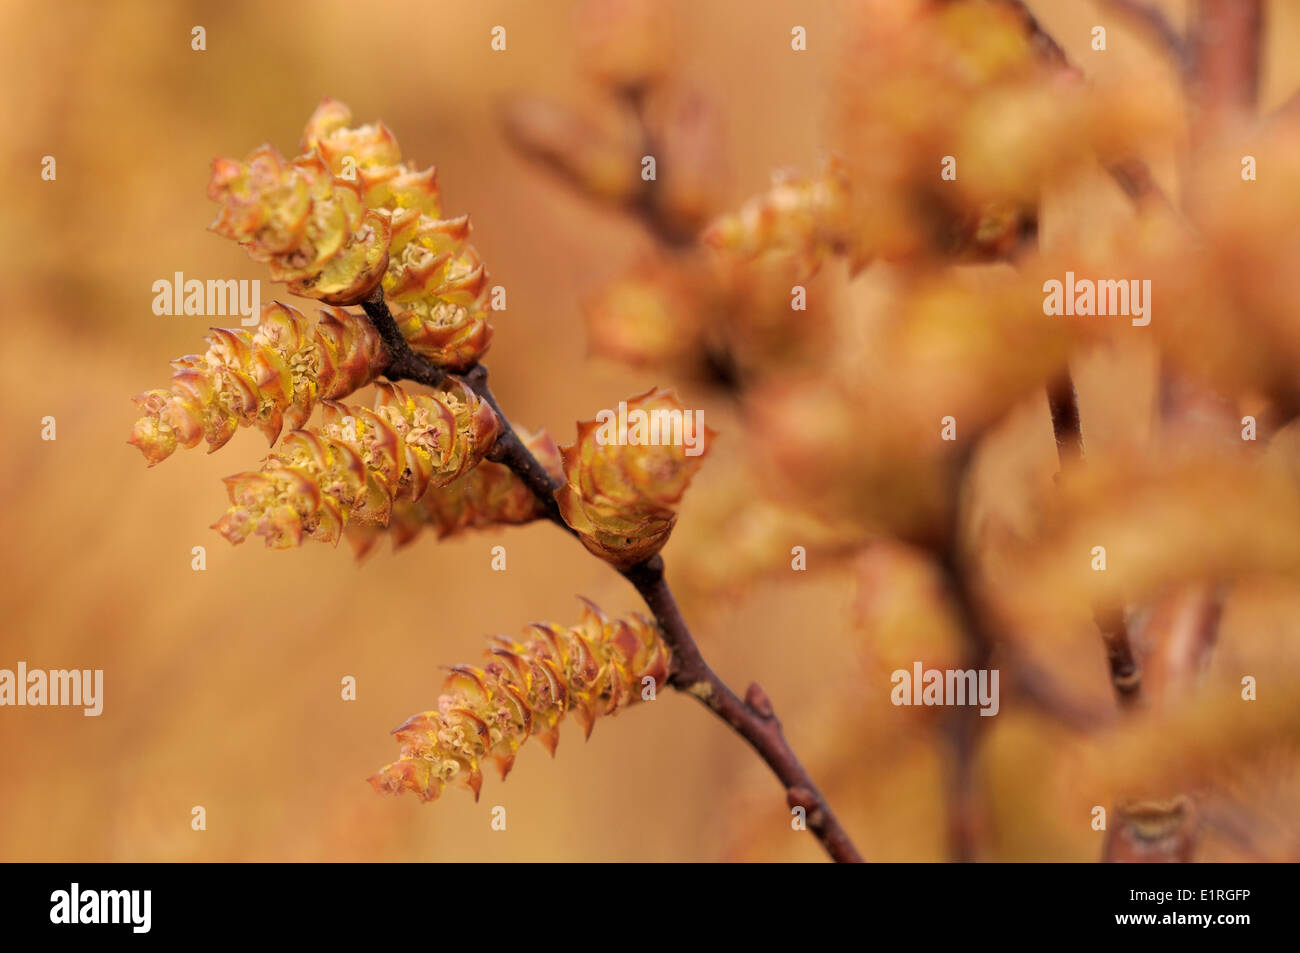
594 668
435 282
269 377
357 463
311 227
805 217
621 498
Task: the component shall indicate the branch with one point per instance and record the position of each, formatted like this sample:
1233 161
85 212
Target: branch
1063 402
964 723
752 718
1226 48
405 364
1125 673
1132 174
641 203
1153 22
645 206
1289 111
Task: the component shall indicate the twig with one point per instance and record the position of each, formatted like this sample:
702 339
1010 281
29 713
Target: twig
752 718
1289 111
1125 674
1132 174
1152 21
642 203
405 363
1063 401
645 205
1225 50
964 722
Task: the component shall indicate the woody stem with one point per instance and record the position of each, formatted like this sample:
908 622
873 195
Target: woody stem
752 717
1125 673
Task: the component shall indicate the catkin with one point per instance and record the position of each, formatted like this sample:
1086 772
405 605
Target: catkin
269 377
594 668
358 463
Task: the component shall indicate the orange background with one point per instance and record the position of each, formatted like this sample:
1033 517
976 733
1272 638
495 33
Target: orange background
223 687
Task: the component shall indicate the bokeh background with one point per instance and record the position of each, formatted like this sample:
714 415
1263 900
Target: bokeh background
223 686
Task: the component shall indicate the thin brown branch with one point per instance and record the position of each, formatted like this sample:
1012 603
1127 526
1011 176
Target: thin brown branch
1225 53
753 717
1153 23
964 723
1048 49
1132 175
1063 402
666 230
1289 111
405 363
1125 673
641 203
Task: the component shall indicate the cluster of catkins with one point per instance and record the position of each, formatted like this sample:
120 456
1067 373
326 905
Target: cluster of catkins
349 215
359 464
339 222
346 222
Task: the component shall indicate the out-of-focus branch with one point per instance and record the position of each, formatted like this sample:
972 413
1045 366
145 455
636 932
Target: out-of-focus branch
1125 674
753 717
1225 61
1132 175
1063 403
664 228
1289 111
587 156
964 809
1153 23
1182 629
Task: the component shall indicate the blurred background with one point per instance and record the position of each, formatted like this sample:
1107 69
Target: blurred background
222 687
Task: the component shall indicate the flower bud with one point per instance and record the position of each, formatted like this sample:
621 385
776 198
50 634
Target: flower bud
621 496
803 217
